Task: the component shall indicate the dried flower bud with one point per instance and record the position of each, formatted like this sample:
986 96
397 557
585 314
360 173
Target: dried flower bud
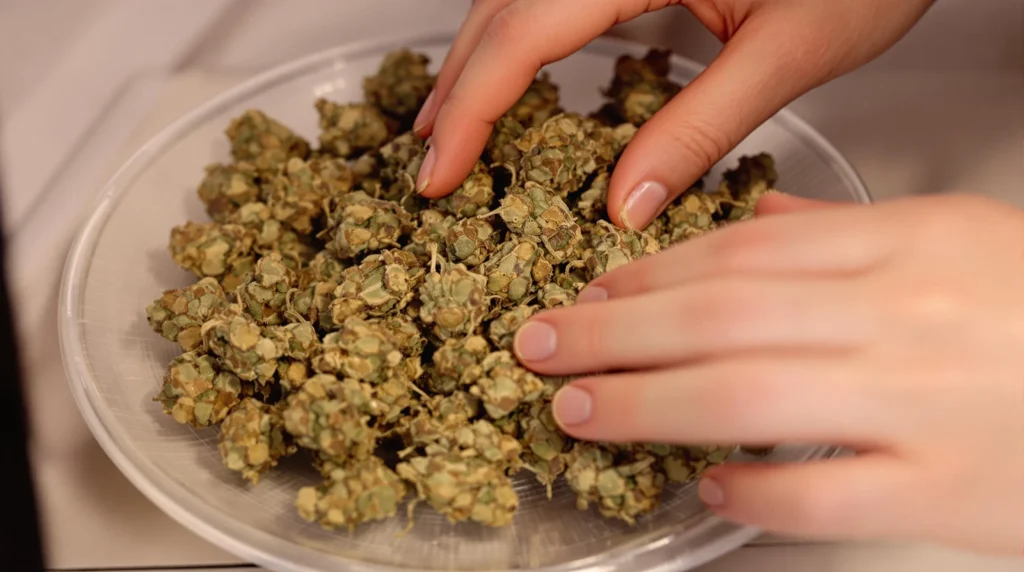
691 215
221 251
454 301
383 284
296 196
400 159
347 130
501 145
623 489
355 492
615 247
271 235
337 176
462 488
470 241
552 296
196 393
545 445
179 315
641 86
227 187
333 417
506 385
361 349
474 196
364 225
401 85
263 141
562 152
251 439
683 464
431 234
458 363
239 342
502 330
509 270
264 296
535 213
537 104
592 204
742 187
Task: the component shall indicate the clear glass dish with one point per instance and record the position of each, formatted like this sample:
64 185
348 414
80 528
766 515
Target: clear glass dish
115 363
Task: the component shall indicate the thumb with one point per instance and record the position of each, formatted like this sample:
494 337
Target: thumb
762 68
780 203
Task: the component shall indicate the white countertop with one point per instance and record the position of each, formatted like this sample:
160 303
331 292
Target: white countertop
908 125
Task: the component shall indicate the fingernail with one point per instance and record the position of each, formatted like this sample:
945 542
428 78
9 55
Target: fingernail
423 179
592 294
535 341
571 406
711 492
643 204
423 117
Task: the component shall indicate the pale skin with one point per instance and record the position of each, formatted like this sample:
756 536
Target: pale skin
895 329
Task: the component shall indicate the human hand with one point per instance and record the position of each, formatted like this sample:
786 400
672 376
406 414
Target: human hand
896 330
775 50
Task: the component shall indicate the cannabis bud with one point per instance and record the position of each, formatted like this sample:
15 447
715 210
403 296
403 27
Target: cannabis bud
335 310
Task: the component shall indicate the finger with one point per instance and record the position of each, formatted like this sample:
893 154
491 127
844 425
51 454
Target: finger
517 42
466 40
694 321
758 400
764 66
780 203
837 241
856 498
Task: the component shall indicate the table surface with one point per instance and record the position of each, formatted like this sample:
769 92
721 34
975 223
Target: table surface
908 130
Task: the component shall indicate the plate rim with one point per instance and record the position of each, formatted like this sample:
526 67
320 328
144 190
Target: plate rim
218 527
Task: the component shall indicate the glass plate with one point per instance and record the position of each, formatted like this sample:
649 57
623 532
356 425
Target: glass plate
115 363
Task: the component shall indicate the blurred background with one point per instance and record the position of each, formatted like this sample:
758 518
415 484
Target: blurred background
86 82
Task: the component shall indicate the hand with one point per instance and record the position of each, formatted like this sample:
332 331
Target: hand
775 50
896 330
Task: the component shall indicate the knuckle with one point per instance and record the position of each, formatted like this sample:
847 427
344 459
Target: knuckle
810 49
942 217
744 392
724 309
734 246
818 508
936 304
505 28
452 104
633 278
949 215
596 333
727 398
700 143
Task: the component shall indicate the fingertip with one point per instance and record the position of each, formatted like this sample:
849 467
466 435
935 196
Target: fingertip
572 406
457 143
592 293
617 193
643 204
535 341
711 492
423 178
425 118
647 177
